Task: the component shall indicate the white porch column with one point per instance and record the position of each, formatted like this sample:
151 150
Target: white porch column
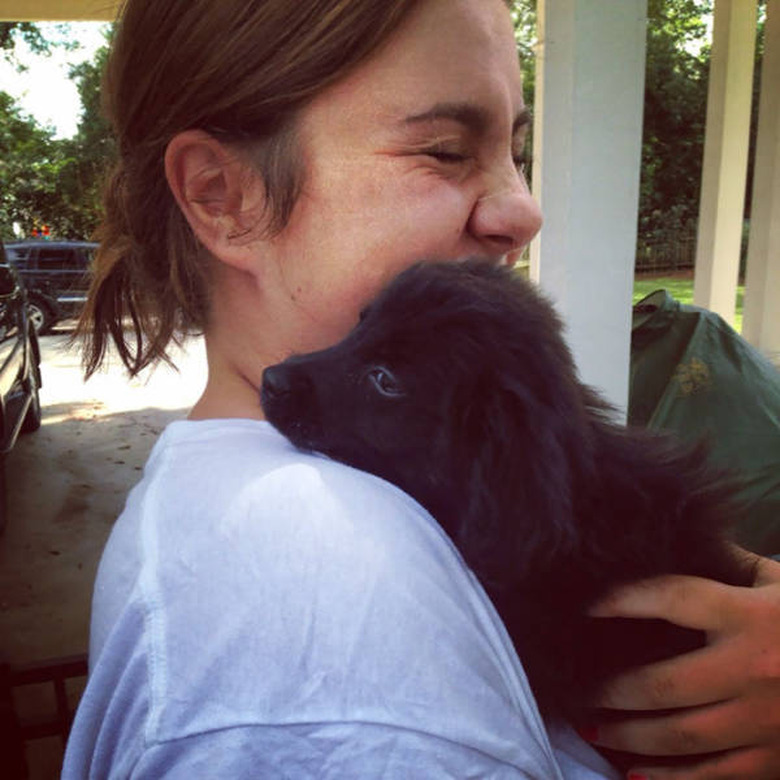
761 323
587 151
726 144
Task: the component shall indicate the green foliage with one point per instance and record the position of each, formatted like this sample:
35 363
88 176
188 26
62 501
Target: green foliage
675 107
91 150
30 164
13 32
675 110
10 32
678 58
55 182
524 18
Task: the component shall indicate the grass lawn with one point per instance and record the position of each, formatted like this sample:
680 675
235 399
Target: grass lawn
680 287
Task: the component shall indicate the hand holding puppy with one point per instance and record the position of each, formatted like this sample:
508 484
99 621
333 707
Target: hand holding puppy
727 694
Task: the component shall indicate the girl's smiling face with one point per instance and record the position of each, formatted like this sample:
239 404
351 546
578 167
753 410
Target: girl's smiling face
415 155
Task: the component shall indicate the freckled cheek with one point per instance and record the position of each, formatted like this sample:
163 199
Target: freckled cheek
442 209
370 234
400 185
414 211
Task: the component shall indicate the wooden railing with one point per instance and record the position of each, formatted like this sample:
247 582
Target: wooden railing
15 732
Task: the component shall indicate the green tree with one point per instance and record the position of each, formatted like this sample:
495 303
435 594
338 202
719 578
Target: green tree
675 109
675 103
524 18
55 182
30 165
90 151
11 32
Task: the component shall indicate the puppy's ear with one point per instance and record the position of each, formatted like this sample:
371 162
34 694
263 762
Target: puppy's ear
520 484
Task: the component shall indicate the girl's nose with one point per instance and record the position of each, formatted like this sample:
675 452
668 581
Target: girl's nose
507 217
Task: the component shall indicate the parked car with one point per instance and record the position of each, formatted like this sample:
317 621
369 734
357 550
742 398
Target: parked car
56 275
20 369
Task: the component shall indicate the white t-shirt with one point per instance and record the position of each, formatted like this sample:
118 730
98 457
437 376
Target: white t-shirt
263 613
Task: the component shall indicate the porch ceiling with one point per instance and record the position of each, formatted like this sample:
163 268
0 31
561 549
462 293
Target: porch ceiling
58 10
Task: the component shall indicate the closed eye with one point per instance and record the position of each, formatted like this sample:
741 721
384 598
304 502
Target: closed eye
384 382
446 157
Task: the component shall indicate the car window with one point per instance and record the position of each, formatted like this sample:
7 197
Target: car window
7 281
57 259
17 253
87 257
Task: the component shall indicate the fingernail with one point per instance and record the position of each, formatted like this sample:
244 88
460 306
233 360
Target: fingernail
591 734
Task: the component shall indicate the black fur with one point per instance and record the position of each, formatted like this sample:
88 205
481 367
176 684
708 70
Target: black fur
458 387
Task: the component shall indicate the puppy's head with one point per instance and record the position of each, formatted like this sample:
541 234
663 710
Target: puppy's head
457 386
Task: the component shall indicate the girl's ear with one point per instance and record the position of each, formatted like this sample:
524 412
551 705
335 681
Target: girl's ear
220 196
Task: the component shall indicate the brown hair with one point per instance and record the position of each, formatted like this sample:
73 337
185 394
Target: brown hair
240 70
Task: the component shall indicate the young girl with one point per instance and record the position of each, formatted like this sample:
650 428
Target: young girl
259 612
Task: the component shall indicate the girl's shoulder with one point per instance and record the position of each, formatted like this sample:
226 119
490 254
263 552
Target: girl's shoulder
235 471
231 498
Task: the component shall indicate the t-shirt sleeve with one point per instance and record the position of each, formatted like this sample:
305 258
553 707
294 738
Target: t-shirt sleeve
340 602
316 622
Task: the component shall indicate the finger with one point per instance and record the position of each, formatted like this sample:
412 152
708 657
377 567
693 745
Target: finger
687 601
767 571
745 764
697 731
690 680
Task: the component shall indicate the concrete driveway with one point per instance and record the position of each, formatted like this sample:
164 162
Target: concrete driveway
67 483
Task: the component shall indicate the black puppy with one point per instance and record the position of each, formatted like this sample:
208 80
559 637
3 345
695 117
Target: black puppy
458 387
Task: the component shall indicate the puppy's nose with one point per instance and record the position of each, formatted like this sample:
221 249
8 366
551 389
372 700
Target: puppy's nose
276 382
286 382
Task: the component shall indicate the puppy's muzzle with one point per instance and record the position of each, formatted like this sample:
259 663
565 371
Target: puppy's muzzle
289 403
282 383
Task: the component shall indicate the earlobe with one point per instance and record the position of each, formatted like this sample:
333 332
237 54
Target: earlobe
217 197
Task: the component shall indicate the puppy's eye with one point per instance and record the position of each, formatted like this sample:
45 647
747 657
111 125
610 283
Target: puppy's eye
384 382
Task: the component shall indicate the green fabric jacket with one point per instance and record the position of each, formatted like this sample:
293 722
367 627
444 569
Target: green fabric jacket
693 374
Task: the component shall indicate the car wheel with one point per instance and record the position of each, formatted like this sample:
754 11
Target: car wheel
40 315
32 420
